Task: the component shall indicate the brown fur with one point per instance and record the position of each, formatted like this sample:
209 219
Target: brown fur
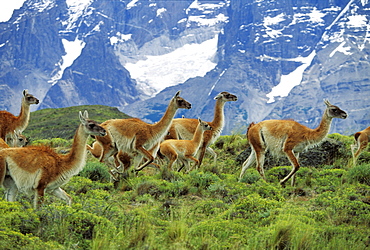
361 140
119 158
286 137
184 128
40 169
18 140
184 150
10 123
136 137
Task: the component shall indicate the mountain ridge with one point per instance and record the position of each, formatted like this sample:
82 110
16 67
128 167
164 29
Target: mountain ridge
281 58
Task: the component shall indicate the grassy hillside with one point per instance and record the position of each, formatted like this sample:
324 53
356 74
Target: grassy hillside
208 208
63 122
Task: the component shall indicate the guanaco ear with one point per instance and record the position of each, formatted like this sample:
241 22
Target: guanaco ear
25 92
82 117
218 96
177 94
200 121
326 101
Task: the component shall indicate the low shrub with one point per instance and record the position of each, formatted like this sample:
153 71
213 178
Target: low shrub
13 240
80 184
217 233
360 173
252 207
251 177
54 142
96 171
75 227
16 218
202 180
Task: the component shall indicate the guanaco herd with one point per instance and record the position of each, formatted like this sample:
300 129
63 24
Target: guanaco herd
40 170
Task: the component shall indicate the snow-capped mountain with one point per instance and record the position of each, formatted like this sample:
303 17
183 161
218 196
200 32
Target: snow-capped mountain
281 58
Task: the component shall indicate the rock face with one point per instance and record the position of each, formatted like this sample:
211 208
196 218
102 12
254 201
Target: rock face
317 42
309 50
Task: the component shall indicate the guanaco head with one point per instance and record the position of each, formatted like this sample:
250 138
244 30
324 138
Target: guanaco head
181 103
29 99
333 111
91 127
205 126
19 140
226 97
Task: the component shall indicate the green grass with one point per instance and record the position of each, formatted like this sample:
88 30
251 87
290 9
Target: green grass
329 208
63 122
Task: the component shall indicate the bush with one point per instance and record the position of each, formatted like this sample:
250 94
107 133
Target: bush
96 171
16 218
360 173
328 179
251 177
79 184
75 227
202 180
54 142
210 207
12 240
346 206
218 233
252 207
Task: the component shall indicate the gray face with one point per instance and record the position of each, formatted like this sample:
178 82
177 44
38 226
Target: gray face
31 99
336 112
229 97
94 128
206 126
182 103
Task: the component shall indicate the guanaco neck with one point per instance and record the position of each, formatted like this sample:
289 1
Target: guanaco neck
198 135
77 156
322 130
218 119
162 126
24 116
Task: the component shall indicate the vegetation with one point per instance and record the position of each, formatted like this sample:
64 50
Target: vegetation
62 122
329 208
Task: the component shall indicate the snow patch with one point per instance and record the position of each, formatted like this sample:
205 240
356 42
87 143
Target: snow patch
205 21
357 21
158 72
76 8
288 82
8 7
316 16
161 11
342 49
132 4
202 11
119 38
73 50
43 5
268 21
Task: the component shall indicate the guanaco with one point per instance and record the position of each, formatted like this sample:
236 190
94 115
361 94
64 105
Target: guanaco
184 150
286 137
10 123
40 169
184 128
136 137
361 140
